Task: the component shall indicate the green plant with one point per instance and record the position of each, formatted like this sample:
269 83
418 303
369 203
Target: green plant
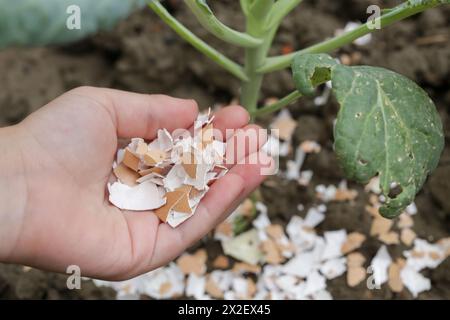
387 125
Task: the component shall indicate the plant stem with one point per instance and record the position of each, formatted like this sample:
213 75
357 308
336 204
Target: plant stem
245 6
401 12
283 102
280 9
255 57
209 21
197 43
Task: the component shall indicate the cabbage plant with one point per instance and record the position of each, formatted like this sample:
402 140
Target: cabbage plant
387 125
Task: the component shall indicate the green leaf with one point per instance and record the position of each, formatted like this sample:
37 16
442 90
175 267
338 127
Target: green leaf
387 126
310 70
37 22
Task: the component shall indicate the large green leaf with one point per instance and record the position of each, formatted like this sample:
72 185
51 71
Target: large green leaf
387 126
41 22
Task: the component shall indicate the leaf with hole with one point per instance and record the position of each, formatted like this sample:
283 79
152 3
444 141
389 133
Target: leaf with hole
311 70
387 126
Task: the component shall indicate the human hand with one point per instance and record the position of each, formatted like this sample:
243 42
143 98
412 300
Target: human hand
55 168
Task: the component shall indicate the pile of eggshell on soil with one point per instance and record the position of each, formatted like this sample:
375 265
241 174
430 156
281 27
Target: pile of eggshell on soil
169 175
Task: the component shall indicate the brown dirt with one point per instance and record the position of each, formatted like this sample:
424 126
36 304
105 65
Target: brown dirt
143 55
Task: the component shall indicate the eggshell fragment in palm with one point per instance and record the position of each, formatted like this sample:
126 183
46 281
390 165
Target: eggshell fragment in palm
176 218
126 175
189 164
154 157
144 196
179 167
141 148
131 160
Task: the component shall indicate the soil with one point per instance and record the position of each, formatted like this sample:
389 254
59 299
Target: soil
141 54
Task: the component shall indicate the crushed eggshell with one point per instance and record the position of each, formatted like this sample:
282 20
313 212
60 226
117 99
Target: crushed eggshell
195 286
395 281
322 99
355 259
221 262
424 255
389 238
380 264
284 125
242 267
305 177
334 241
309 146
326 193
444 244
126 175
333 268
350 26
247 208
353 242
372 210
411 209
262 220
244 288
314 217
165 288
414 281
131 160
271 252
301 265
343 193
333 193
373 186
213 289
314 282
380 226
224 230
286 263
143 196
275 231
405 221
193 263
162 283
293 166
355 275
171 174
244 247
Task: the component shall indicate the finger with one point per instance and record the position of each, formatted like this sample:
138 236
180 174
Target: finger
222 198
141 115
227 119
244 142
